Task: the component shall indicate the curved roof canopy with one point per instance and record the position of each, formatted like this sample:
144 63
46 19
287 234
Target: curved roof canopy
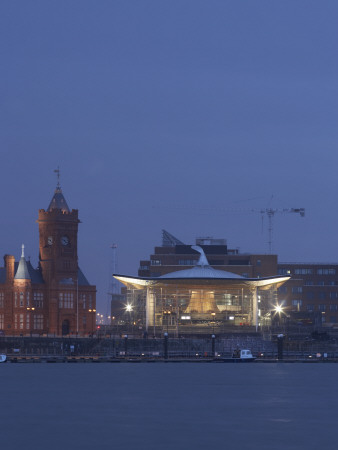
201 274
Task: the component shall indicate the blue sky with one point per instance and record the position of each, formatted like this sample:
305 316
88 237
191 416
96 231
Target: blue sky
156 110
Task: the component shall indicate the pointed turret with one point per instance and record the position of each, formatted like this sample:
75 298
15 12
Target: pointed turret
58 201
22 272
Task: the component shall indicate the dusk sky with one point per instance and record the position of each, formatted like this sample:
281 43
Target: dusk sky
170 114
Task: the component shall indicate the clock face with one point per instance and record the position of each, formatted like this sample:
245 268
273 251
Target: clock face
50 240
65 240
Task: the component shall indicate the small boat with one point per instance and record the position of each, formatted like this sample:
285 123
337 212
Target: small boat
3 358
238 355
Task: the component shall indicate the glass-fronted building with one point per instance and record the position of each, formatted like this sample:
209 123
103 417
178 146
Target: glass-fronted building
200 299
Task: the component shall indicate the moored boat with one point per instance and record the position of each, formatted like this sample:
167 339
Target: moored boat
238 355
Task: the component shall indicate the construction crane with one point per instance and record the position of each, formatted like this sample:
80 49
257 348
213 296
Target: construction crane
270 213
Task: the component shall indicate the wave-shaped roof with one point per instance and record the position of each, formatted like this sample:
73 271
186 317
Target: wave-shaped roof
201 270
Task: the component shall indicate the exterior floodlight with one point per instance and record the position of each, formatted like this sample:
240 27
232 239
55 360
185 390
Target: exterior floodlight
278 309
129 307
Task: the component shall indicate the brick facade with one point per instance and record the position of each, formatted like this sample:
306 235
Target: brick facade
55 298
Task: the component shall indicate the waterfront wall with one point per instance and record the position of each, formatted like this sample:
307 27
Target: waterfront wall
152 348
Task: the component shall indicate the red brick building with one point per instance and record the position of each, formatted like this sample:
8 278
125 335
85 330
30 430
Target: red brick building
56 297
175 255
313 288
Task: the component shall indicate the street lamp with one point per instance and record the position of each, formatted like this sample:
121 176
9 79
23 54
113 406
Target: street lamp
129 309
167 313
278 311
93 311
213 314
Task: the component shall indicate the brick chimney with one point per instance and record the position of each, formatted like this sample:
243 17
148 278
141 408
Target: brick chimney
9 265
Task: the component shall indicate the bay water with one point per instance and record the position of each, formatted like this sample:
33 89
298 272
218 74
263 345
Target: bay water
168 406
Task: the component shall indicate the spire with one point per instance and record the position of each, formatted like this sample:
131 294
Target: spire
22 272
58 201
203 259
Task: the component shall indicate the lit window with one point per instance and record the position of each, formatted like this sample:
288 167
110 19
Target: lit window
66 300
38 299
38 322
155 262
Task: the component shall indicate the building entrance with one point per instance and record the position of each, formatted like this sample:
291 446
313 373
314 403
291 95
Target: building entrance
65 327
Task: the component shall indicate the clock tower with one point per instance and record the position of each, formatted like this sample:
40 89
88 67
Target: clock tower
70 301
58 228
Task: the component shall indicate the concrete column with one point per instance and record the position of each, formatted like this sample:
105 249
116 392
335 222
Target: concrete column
150 308
255 308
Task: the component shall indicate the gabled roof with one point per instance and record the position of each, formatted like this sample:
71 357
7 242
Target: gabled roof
82 280
35 274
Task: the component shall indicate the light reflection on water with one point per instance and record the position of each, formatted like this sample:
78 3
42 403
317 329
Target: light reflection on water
168 406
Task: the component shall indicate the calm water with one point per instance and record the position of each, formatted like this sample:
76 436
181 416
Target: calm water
169 406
